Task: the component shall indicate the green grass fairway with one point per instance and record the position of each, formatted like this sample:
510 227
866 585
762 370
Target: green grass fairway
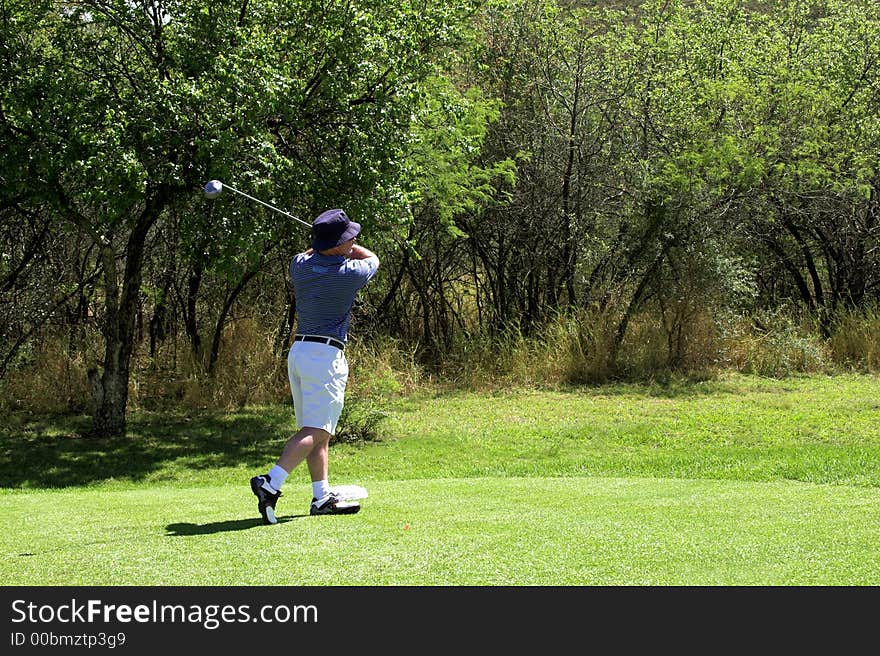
743 481
491 531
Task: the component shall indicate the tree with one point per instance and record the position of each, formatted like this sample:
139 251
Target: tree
117 111
431 287
118 114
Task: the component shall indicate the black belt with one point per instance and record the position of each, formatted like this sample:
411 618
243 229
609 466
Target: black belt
323 340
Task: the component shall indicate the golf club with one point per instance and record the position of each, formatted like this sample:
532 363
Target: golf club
214 188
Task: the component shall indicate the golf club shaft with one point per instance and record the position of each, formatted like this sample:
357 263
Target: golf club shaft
271 207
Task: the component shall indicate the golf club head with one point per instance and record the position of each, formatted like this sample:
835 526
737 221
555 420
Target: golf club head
213 188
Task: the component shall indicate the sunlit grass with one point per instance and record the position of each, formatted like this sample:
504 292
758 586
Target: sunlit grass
487 531
738 480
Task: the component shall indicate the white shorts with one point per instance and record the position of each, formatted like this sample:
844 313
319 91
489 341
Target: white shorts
318 374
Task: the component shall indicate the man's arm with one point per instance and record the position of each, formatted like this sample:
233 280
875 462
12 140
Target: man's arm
358 252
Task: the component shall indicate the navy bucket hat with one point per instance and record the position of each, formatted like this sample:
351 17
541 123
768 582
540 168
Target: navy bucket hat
333 228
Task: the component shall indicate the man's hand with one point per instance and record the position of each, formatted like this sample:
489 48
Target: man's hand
358 252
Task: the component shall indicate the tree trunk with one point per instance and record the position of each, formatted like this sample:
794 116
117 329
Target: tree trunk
569 249
224 313
110 390
190 321
632 307
285 330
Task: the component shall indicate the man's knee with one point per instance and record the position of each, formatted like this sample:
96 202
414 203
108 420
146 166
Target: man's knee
318 435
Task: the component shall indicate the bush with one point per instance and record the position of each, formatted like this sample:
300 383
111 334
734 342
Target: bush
855 340
359 420
773 344
380 371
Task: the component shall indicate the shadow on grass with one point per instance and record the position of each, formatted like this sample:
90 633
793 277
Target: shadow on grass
56 452
183 529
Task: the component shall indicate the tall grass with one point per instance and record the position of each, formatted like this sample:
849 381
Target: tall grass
576 348
855 340
572 348
774 344
51 381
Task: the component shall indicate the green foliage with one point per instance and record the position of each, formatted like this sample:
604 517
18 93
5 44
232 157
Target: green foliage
448 131
660 163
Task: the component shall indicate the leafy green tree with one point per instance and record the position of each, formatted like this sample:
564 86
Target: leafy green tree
113 120
448 185
794 144
677 173
548 66
117 111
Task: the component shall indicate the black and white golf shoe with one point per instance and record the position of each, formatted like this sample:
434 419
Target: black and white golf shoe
332 504
267 499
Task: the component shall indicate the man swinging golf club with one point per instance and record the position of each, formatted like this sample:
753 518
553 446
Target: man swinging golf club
325 278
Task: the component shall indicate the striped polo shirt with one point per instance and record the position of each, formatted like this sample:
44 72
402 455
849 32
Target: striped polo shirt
325 287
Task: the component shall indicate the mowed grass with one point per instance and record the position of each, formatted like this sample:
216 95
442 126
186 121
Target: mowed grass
738 481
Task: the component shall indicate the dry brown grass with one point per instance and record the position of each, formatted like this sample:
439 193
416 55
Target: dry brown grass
774 345
249 371
572 349
855 340
53 382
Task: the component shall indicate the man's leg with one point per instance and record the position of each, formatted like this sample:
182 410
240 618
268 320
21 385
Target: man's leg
318 460
313 445
267 488
299 447
324 501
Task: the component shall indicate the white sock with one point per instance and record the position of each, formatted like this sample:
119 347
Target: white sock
320 489
277 476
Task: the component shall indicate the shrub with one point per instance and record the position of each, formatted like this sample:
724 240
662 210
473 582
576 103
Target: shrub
855 340
51 381
773 344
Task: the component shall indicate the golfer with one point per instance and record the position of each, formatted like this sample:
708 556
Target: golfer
325 278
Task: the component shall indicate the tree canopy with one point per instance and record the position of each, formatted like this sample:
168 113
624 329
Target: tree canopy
510 160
